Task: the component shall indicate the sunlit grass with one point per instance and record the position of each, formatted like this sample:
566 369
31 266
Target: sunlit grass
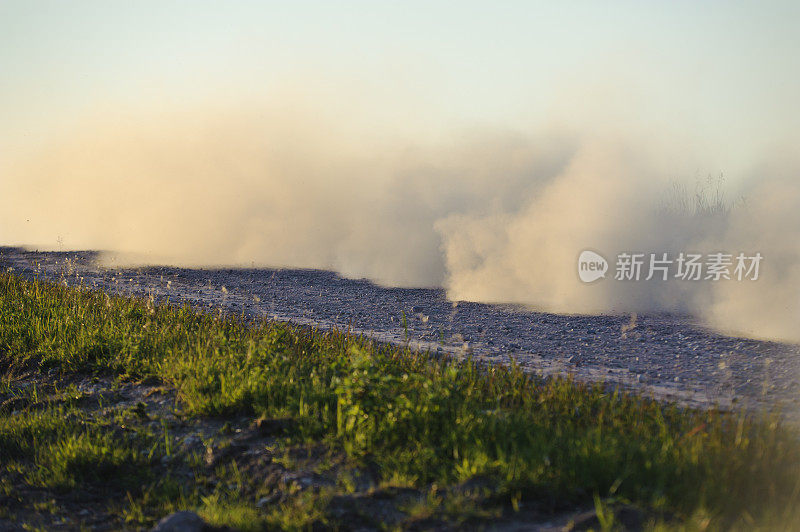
433 423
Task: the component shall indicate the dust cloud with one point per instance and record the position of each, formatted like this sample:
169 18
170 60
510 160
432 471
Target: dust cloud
489 214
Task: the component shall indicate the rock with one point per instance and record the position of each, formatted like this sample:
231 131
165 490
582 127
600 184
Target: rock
297 480
625 516
215 455
272 426
13 405
263 502
191 441
184 521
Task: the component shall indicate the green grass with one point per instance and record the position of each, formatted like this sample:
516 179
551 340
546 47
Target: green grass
432 423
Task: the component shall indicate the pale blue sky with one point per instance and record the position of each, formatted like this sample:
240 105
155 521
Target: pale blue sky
729 71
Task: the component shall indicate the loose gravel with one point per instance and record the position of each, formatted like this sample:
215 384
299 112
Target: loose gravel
668 356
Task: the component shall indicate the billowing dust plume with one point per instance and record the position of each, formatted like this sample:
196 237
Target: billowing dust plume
490 215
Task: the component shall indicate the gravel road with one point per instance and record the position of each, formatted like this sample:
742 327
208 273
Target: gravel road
668 356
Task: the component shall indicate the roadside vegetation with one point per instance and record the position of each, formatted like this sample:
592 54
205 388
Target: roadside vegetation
116 411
